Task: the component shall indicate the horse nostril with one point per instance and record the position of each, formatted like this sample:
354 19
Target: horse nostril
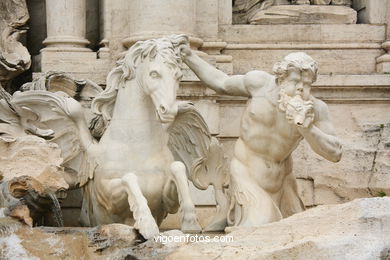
163 109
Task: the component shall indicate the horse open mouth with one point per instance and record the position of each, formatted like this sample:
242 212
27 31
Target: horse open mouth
166 114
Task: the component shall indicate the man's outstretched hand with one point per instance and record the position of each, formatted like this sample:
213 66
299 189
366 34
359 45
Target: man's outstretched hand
185 50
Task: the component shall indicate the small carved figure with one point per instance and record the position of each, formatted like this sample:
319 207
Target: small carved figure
301 2
280 113
333 2
245 11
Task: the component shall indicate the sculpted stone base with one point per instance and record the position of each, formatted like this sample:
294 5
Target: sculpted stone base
355 230
326 232
305 14
30 175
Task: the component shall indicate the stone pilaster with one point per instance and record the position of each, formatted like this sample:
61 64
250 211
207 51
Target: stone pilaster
104 27
383 62
66 26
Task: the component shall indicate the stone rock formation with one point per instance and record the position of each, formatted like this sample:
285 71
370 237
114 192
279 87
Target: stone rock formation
355 230
322 183
32 179
14 57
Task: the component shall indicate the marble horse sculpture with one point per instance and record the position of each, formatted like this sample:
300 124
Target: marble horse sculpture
148 144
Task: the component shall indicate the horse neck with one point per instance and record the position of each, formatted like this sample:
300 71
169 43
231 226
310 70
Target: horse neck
134 118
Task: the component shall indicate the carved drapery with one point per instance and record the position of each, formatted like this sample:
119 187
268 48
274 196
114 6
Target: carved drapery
245 10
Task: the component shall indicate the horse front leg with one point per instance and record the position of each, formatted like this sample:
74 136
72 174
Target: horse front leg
144 221
189 222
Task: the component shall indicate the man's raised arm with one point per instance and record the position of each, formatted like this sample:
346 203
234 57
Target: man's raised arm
214 78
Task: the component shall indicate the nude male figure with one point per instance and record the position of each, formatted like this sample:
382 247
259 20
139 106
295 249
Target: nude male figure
279 114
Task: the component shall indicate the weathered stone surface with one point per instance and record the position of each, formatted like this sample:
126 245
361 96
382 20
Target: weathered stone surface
204 213
14 57
31 175
70 36
356 230
303 33
34 157
337 61
364 168
114 241
305 14
370 11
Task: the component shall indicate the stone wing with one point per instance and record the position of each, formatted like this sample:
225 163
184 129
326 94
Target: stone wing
190 141
60 118
84 91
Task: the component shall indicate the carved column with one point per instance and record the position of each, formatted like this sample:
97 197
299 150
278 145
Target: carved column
66 25
104 26
157 18
383 62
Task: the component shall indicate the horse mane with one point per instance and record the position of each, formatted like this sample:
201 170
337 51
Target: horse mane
103 104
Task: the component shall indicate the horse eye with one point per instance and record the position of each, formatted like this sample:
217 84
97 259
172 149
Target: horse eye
154 74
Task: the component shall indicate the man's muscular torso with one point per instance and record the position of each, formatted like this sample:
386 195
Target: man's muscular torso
266 139
280 113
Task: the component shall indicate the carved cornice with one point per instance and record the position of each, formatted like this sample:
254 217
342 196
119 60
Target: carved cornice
337 89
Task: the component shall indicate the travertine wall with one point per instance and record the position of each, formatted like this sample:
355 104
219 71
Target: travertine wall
353 81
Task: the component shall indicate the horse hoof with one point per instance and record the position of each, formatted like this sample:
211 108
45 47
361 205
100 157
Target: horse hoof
191 226
148 229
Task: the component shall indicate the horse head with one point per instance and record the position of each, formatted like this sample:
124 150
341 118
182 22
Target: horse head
156 67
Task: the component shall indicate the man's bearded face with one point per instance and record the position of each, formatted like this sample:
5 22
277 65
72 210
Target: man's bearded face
298 82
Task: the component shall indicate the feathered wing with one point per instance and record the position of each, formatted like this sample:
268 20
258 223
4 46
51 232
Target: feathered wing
60 118
9 120
83 91
190 141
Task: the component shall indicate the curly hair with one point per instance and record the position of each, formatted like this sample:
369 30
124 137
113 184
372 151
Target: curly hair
299 60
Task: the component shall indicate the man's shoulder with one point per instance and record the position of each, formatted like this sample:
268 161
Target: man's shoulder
319 104
256 79
320 109
258 75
